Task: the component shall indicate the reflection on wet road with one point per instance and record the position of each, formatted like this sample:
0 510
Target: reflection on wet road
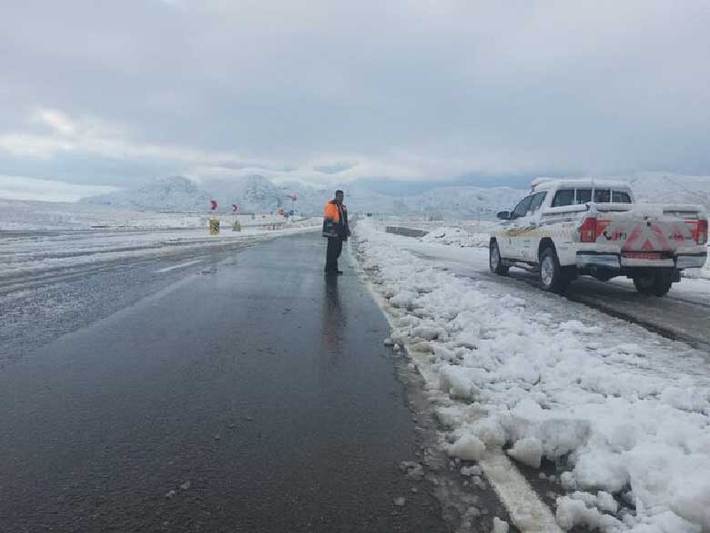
253 395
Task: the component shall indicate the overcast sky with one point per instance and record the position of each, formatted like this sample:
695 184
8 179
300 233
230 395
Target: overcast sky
114 93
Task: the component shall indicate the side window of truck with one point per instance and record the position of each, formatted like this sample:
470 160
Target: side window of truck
563 197
602 196
583 196
536 202
522 208
620 197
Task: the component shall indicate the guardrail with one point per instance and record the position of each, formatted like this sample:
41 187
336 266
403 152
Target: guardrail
406 232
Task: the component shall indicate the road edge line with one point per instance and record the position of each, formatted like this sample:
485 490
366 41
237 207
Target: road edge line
527 511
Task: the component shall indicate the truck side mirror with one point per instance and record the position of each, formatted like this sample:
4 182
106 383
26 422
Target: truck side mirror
503 215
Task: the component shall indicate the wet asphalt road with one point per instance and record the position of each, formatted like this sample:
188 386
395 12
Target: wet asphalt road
249 395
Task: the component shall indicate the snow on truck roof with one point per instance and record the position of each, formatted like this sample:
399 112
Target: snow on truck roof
541 184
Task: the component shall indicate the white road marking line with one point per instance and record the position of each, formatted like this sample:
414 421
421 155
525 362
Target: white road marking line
175 267
527 511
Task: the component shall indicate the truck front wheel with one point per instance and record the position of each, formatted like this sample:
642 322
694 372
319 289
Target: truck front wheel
653 282
495 261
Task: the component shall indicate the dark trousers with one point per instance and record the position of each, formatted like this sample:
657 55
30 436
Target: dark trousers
335 246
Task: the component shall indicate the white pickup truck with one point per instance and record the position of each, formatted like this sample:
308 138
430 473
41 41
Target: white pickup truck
566 228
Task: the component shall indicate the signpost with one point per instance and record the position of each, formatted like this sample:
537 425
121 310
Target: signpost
293 197
236 226
214 221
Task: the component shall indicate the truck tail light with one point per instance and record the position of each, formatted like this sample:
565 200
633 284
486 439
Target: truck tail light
588 230
698 230
701 236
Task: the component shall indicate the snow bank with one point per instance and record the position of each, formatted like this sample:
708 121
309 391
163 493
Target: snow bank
626 411
453 236
464 234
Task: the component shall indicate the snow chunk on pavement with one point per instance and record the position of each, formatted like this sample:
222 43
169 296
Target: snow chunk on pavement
468 448
500 526
528 451
473 470
573 512
599 469
456 381
490 431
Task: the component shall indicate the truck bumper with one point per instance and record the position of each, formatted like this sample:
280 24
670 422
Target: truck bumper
595 260
691 260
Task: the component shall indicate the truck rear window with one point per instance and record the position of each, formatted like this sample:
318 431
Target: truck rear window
621 197
565 197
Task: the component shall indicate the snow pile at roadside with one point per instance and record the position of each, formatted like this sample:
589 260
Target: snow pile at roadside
464 234
452 236
625 412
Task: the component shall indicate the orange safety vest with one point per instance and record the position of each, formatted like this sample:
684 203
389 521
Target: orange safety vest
331 212
334 219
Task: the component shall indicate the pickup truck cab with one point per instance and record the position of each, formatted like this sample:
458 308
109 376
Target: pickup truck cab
566 228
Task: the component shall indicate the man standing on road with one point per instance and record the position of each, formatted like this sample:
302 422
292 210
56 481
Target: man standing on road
336 229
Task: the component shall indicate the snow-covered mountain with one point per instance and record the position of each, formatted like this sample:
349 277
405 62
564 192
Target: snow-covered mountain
441 202
172 194
251 193
258 194
666 187
463 202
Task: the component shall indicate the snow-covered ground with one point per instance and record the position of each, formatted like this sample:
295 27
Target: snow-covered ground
53 238
16 215
45 236
463 235
624 413
32 253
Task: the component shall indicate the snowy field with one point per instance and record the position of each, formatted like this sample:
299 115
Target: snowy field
40 238
32 253
622 414
16 215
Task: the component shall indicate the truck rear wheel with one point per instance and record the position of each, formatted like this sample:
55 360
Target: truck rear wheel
653 282
495 261
552 277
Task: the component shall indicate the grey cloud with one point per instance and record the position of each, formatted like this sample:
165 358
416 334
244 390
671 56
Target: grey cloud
404 89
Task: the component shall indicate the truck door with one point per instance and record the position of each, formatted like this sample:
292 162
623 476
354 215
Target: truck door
530 234
517 225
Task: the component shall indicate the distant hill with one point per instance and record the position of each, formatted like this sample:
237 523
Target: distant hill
667 187
251 193
258 194
172 194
